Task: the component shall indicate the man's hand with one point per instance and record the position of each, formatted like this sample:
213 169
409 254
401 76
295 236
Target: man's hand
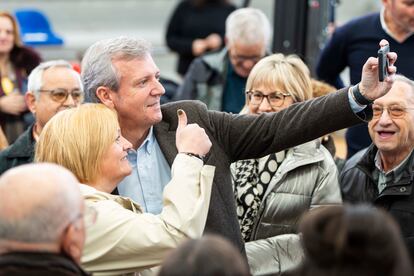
13 104
370 87
191 138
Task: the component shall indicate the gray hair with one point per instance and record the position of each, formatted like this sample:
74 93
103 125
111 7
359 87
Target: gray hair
50 212
248 26
404 79
35 81
97 67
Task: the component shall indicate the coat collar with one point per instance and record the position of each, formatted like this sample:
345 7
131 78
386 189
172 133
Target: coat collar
402 187
165 134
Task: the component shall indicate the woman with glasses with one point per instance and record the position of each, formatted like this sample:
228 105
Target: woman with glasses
87 141
16 63
273 192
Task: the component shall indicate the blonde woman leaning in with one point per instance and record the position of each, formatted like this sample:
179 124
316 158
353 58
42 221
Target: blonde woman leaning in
87 141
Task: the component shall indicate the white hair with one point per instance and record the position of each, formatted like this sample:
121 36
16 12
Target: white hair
52 208
248 26
402 78
35 81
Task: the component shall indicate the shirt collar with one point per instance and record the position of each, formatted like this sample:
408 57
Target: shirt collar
149 141
397 170
385 27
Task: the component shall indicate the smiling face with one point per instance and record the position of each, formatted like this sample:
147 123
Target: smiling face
115 165
276 82
394 136
6 35
285 101
137 100
45 107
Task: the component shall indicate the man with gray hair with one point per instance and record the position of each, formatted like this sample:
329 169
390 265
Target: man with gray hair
383 174
121 74
53 86
44 233
219 79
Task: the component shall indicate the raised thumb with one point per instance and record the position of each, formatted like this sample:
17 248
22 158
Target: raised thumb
182 118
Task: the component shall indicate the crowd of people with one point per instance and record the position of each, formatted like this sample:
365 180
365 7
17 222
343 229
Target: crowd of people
237 175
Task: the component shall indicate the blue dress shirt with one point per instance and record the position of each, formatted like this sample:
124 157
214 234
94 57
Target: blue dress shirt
150 173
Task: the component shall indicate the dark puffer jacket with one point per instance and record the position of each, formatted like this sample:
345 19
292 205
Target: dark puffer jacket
357 185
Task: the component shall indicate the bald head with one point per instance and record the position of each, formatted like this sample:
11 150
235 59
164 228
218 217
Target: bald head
37 202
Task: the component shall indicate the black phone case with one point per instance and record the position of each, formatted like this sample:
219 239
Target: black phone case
383 62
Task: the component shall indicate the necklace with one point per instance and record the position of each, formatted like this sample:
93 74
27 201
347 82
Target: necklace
7 85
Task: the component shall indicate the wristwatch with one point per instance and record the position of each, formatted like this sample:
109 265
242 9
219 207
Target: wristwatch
194 155
358 97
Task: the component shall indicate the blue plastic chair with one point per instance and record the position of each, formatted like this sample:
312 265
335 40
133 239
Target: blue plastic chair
35 28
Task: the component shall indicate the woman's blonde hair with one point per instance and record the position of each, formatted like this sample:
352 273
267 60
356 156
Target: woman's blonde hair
16 32
78 138
288 73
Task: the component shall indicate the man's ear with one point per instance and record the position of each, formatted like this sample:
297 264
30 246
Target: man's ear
30 100
71 244
105 95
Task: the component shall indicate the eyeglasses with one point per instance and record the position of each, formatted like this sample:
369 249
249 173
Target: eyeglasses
241 58
60 95
395 111
275 99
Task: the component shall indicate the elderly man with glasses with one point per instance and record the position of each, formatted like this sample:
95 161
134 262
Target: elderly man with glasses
383 174
219 79
52 86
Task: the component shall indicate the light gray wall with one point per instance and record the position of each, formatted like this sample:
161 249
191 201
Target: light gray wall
82 22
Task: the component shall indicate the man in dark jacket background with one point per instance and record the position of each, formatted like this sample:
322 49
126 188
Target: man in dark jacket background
384 173
219 79
53 86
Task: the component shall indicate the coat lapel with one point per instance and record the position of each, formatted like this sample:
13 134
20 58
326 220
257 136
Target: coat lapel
165 136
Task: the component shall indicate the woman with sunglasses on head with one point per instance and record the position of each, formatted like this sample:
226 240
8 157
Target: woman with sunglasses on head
87 141
16 63
273 192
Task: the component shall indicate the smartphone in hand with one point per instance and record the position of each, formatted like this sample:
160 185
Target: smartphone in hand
383 62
